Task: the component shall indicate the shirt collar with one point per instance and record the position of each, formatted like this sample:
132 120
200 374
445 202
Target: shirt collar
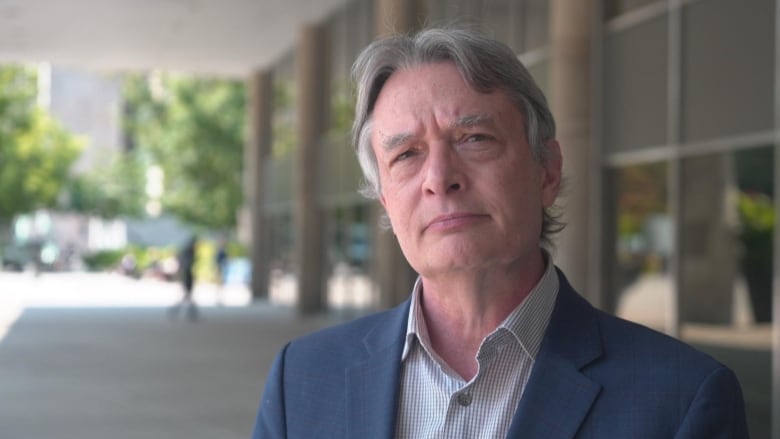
527 322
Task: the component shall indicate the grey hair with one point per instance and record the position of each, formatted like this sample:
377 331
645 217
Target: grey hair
485 64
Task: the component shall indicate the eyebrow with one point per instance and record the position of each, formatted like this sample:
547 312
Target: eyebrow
394 141
474 120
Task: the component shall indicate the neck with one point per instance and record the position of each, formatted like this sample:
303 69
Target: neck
461 309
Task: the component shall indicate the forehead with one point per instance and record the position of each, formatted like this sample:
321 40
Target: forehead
435 93
422 81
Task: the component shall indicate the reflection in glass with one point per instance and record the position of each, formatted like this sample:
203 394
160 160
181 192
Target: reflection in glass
726 275
629 79
643 245
348 252
283 286
613 8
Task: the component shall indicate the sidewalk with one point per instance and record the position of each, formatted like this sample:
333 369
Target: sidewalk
94 356
88 369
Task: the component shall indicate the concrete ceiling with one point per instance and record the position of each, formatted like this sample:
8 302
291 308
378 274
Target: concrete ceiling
217 37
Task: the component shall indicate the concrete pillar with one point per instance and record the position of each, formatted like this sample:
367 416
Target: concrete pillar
312 107
258 147
393 276
570 101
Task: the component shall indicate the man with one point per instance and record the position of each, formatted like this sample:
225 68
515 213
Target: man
457 143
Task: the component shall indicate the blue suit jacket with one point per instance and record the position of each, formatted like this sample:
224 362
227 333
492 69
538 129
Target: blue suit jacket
596 376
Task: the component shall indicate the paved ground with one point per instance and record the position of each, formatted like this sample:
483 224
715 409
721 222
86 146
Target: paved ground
90 369
88 356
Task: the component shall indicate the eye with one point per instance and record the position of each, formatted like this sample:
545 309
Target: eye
403 155
472 138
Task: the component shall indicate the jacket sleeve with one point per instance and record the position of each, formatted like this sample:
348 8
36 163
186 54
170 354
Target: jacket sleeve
271 418
717 411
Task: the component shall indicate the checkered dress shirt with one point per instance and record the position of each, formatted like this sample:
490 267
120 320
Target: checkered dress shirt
435 402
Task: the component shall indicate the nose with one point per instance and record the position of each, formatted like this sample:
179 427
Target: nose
443 172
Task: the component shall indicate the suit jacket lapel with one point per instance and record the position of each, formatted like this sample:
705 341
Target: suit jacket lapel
372 384
558 395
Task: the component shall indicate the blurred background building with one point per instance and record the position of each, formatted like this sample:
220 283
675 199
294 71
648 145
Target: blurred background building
667 111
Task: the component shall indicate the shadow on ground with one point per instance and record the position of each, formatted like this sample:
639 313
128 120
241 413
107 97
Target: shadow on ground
122 373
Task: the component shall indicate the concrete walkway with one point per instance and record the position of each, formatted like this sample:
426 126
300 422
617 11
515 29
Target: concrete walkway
96 370
87 356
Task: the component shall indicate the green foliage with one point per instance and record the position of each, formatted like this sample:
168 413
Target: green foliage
642 193
111 191
757 218
103 259
194 129
36 152
283 121
342 111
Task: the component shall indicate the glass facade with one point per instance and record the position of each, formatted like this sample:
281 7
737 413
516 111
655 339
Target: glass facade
684 98
521 24
347 223
279 183
691 223
727 68
635 91
643 247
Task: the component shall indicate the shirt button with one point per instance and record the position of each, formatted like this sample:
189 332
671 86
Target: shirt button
464 399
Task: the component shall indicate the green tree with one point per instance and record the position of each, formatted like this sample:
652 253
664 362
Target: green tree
194 129
36 152
117 189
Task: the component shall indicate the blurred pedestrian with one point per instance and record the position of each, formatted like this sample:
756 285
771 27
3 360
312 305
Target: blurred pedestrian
187 276
220 261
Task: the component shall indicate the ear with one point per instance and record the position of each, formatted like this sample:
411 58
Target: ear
382 202
552 172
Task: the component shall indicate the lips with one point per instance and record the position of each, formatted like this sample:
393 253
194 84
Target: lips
454 220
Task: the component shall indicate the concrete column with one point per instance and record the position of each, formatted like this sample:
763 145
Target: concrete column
258 147
570 101
393 276
312 106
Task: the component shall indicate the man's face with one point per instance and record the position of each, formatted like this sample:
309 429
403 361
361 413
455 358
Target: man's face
458 179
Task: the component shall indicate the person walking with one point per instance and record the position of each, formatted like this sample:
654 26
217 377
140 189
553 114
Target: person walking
186 259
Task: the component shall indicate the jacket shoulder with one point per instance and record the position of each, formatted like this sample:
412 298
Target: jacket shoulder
352 340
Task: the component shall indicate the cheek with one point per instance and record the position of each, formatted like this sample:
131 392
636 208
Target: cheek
394 208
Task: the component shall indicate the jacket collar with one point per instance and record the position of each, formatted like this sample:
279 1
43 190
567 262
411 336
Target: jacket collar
558 395
555 402
373 384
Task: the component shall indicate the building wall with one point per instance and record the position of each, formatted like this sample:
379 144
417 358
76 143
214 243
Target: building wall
87 104
681 130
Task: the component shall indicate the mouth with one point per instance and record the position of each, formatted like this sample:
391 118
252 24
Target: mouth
453 221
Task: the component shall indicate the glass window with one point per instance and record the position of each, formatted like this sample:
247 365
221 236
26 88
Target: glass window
726 267
282 286
462 10
641 281
635 87
496 19
278 175
540 72
348 246
613 8
536 24
340 56
728 68
339 171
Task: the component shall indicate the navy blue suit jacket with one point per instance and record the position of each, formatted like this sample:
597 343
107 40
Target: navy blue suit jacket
596 376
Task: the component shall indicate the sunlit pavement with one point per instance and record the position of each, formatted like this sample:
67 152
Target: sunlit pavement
92 356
